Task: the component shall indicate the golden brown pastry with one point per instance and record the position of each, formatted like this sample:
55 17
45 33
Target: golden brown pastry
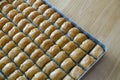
33 15
3 3
17 2
73 32
46 44
55 35
62 41
57 74
24 42
76 72
1 34
14 75
43 60
32 71
34 33
59 22
21 78
7 27
53 50
12 14
87 61
39 39
67 77
8 46
22 6
18 36
22 23
69 47
26 65
97 51
17 18
14 52
36 54
37 3
77 54
87 45
66 26
3 21
20 58
27 11
28 28
30 2
7 8
39 76
79 38
49 30
1 54
44 25
60 57
30 48
48 12
38 20
54 17
42 8
4 61
49 67
9 68
13 31
4 39
1 15
67 64
1 76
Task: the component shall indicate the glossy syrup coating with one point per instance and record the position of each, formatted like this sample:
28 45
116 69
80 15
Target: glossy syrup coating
7 27
18 17
27 11
22 23
13 31
3 21
7 8
22 6
49 30
33 15
17 2
59 22
48 12
4 39
18 36
37 20
42 8
28 27
45 24
54 17
4 61
3 3
11 14
37 3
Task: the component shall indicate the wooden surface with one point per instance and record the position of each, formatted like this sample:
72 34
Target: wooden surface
102 19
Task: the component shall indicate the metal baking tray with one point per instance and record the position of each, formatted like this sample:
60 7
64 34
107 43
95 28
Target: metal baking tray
83 31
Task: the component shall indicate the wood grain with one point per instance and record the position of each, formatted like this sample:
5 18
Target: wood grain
102 19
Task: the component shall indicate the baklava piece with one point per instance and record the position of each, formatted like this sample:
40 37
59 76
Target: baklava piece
87 45
1 15
39 76
59 22
24 42
8 46
67 64
14 52
39 39
7 27
1 34
57 74
62 41
1 76
30 2
4 39
14 75
17 2
49 30
26 65
69 47
9 68
28 27
53 50
7 8
87 61
30 48
45 24
77 54
66 26
49 67
3 3
34 33
60 57
18 17
1 54
97 51
42 61
76 72
22 6
42 8
54 17
32 71
46 44
37 3
4 61
20 58
48 12
38 19
36 54
73 32
3 21
33 15
11 14
22 78
67 77
22 23
27 11
17 37
13 31
79 38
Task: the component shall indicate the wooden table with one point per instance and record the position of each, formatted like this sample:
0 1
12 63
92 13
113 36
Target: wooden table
102 19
